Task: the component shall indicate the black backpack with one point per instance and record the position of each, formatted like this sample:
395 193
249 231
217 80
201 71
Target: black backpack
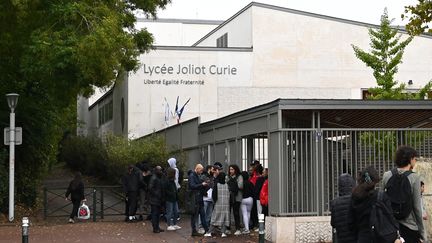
384 227
398 189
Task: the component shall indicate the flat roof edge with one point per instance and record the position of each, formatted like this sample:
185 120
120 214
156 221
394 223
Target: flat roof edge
203 48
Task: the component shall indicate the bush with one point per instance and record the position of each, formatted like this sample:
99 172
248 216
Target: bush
109 159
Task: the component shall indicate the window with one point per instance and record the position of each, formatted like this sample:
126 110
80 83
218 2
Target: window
105 113
222 41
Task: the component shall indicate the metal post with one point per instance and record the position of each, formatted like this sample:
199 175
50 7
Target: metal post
25 229
101 203
12 167
261 228
45 202
94 204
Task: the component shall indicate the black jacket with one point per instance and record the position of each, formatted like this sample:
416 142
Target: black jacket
340 209
156 191
171 194
76 190
258 186
248 188
359 216
132 182
196 187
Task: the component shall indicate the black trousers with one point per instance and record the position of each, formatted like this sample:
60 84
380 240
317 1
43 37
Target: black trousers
131 203
254 215
76 205
409 235
264 210
155 216
236 211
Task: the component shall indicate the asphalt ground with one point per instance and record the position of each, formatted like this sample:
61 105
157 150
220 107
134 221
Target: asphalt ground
60 231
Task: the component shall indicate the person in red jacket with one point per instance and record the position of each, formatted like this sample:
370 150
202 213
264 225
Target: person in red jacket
264 195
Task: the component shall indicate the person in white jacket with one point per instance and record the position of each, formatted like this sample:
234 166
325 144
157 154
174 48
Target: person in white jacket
172 162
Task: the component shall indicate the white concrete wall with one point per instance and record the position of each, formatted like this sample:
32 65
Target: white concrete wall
176 33
150 97
239 32
299 51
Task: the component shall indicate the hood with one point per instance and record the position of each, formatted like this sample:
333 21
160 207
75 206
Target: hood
172 163
346 184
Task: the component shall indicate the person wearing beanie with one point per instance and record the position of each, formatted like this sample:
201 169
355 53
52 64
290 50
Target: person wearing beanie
339 208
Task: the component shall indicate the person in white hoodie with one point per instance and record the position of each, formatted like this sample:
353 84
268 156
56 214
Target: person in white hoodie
172 162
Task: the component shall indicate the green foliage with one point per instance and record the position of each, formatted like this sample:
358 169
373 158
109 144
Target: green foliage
419 17
53 51
109 159
85 154
384 58
4 181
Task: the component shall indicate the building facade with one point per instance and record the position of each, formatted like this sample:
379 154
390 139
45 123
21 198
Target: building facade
262 53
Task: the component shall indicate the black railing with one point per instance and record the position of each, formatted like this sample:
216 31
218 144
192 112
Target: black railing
102 201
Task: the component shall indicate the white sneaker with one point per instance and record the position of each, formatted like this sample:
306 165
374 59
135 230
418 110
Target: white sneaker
176 227
237 232
71 221
171 228
224 235
201 231
227 232
245 232
207 235
256 230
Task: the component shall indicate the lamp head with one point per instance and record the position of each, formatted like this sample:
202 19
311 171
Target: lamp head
12 100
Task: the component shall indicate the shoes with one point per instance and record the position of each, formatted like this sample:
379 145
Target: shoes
245 232
207 235
178 219
158 230
228 232
237 232
176 227
71 221
224 235
195 233
201 231
256 230
171 228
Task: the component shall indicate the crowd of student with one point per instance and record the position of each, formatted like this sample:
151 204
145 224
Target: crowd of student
363 213
216 196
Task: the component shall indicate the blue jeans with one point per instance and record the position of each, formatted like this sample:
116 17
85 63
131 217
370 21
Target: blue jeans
171 212
208 210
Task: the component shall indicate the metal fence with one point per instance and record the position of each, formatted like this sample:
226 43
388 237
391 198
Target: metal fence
312 160
102 201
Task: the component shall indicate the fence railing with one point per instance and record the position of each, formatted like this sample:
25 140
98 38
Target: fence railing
313 159
102 201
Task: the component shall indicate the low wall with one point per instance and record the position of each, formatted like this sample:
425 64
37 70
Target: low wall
298 229
424 169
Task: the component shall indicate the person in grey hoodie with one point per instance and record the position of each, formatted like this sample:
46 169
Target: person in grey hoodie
411 228
173 164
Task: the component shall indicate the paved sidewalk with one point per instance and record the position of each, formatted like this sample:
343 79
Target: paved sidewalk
110 232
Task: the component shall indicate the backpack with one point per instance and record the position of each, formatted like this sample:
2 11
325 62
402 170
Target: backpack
398 189
384 227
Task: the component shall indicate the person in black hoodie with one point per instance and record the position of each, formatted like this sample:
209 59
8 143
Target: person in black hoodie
131 184
156 198
339 208
76 190
363 198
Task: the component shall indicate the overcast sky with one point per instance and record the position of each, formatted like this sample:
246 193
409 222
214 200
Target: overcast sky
368 11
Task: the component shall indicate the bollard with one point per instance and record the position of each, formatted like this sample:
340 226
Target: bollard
261 228
25 229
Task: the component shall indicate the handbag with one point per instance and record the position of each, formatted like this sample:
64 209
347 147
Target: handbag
84 211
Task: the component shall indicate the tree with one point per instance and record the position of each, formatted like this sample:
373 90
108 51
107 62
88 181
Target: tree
419 17
53 51
384 58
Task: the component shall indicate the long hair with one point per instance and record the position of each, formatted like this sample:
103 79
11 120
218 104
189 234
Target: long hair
236 169
366 182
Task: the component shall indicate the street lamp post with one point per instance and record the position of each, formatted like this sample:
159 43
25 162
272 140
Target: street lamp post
12 100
